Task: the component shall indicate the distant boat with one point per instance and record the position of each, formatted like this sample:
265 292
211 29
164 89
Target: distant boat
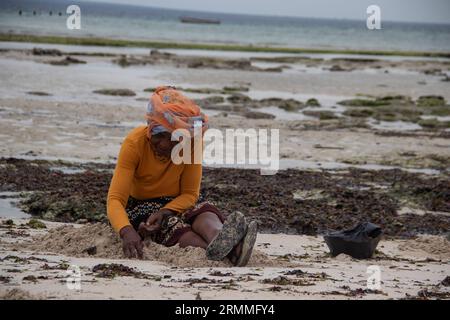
199 20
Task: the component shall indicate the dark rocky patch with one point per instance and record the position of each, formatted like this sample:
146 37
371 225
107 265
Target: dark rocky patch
113 270
66 61
39 93
348 197
285 281
46 52
193 62
218 273
116 92
312 102
430 294
322 115
91 250
337 67
36 224
358 113
257 115
363 103
238 98
434 124
430 101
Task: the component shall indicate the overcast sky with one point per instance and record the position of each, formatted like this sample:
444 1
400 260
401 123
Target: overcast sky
394 10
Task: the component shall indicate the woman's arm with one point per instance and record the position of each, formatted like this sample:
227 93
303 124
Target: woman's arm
189 189
121 182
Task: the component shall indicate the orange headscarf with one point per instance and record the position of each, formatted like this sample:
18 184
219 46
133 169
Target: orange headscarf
172 110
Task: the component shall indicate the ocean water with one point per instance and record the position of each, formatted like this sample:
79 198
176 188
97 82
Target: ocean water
147 23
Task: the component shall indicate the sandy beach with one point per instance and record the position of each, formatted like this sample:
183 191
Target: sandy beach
282 267
361 138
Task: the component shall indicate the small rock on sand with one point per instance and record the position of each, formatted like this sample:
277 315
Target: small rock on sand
116 92
39 93
46 52
258 115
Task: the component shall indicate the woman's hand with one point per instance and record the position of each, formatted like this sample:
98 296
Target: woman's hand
153 223
131 242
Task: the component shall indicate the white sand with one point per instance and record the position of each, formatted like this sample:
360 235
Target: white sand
405 270
75 124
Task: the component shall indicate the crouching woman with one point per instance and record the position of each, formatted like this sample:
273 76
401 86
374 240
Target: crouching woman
151 196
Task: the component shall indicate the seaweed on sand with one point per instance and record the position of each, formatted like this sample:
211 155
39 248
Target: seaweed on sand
346 198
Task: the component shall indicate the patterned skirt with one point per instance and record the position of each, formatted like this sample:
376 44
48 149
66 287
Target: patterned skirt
173 225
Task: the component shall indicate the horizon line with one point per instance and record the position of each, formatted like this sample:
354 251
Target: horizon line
255 14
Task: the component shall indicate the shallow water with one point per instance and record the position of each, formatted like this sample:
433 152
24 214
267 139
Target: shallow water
439 118
76 82
67 170
151 23
8 208
394 125
283 165
281 114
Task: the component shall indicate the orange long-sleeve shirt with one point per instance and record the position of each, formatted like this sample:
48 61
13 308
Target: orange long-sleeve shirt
140 174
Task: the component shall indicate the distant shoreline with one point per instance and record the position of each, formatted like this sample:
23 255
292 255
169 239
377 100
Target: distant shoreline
95 41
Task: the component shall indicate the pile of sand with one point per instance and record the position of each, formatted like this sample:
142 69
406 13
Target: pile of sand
99 240
427 246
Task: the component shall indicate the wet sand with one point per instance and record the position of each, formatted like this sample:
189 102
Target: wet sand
72 122
295 267
344 169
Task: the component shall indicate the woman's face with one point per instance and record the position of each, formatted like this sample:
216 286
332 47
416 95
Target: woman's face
162 144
